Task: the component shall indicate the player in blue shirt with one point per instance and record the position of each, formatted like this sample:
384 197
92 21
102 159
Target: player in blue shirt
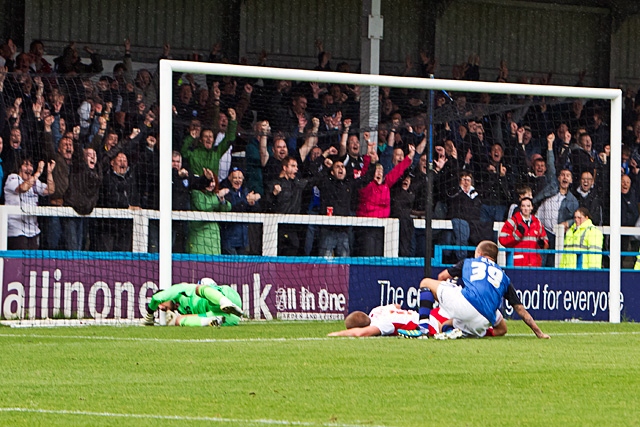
473 304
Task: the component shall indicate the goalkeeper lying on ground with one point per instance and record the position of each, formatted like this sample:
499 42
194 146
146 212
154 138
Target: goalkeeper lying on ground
188 304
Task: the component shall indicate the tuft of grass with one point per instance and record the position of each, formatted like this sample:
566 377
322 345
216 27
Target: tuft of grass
261 373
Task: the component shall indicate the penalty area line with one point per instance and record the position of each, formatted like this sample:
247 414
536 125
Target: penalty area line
181 418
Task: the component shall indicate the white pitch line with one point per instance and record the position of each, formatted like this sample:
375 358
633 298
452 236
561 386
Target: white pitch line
249 340
172 340
181 418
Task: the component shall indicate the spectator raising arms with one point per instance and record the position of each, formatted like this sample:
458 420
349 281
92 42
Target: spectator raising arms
375 197
22 189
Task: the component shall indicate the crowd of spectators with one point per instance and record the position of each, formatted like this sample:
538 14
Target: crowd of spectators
283 147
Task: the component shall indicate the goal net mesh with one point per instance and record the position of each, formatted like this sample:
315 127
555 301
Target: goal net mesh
285 189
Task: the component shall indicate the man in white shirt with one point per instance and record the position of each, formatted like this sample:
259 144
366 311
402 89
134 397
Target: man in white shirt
23 189
557 209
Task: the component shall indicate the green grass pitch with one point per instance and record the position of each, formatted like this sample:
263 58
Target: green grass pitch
281 373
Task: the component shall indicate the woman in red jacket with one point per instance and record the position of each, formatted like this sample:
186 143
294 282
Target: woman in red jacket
524 230
375 198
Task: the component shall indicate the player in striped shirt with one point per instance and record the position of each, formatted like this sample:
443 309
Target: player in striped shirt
382 320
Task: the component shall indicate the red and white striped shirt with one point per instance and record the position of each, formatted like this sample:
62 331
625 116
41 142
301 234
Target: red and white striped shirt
389 318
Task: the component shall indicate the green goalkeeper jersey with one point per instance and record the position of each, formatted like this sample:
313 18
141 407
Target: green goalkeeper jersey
184 296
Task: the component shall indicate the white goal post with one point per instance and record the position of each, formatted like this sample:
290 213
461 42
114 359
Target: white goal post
167 67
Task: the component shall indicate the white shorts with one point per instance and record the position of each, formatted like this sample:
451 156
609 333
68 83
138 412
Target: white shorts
453 305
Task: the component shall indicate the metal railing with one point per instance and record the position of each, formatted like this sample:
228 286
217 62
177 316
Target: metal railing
270 222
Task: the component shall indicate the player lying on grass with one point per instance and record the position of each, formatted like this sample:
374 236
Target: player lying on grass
205 304
473 307
383 320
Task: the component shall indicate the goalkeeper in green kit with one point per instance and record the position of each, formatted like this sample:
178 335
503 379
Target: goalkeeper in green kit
204 304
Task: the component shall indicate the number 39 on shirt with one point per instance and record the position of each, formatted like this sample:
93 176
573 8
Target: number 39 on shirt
481 271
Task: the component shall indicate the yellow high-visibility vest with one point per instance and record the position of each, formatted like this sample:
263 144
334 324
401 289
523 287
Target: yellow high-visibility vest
587 238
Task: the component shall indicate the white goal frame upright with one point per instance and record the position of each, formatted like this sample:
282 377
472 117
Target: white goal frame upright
167 67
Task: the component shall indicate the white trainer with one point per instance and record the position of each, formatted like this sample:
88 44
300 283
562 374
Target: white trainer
452 334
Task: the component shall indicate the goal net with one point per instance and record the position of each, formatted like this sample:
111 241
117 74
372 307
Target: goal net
483 126
306 192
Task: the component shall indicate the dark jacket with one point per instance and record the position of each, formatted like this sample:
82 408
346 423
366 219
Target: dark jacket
289 200
629 208
494 189
84 184
148 178
336 193
119 191
592 202
236 234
